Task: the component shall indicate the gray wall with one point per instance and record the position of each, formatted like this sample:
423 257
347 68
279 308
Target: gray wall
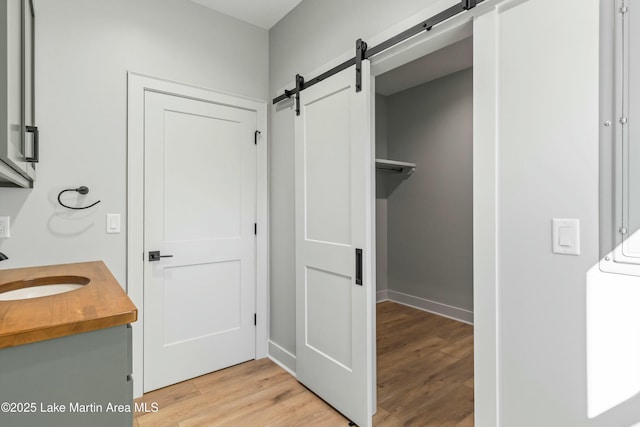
84 49
381 197
430 222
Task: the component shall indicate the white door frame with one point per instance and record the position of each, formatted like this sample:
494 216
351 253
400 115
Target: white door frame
138 84
485 191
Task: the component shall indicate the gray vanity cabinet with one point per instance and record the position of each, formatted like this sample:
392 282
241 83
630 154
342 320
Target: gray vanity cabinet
78 380
19 149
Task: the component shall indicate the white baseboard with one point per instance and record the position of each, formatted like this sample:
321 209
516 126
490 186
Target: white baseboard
282 358
440 309
382 295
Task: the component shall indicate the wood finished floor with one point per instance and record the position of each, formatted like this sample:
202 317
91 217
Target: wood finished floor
425 378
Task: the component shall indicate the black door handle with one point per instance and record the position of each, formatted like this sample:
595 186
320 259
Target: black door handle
359 267
155 256
35 158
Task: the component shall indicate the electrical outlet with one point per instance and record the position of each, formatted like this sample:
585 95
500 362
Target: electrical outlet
5 227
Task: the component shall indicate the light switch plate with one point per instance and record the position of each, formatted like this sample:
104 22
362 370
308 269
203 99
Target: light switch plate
5 227
113 223
566 236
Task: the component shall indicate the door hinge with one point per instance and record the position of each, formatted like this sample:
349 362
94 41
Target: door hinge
255 228
624 120
255 319
255 137
624 9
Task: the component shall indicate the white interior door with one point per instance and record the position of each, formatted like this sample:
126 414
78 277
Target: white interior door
334 201
199 208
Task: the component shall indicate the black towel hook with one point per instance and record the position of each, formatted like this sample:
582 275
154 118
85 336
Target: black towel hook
81 190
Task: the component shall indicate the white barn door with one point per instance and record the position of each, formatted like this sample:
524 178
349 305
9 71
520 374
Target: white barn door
334 172
199 210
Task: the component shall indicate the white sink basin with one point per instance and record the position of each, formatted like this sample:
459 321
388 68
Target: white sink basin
41 287
38 291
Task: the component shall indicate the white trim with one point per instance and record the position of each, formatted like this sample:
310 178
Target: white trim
282 358
486 279
137 85
370 248
382 295
444 310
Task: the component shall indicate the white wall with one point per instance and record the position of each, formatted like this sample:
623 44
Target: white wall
547 134
546 89
84 49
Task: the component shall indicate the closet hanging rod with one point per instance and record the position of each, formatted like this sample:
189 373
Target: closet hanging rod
426 25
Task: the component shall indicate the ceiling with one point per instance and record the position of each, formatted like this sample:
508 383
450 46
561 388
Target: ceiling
455 57
262 13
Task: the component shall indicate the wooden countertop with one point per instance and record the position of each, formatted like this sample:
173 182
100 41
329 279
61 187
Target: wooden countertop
100 304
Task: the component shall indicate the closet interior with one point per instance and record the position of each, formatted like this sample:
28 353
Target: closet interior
424 237
424 182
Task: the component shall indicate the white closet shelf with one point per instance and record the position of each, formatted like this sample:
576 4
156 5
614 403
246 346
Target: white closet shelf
394 166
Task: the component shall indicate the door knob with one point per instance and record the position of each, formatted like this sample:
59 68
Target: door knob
155 256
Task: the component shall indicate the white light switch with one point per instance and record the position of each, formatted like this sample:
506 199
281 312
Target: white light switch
566 236
5 227
113 223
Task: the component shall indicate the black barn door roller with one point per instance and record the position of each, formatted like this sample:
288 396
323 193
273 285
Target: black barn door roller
363 53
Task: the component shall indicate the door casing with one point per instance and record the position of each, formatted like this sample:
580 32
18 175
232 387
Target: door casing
138 84
481 23
485 250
